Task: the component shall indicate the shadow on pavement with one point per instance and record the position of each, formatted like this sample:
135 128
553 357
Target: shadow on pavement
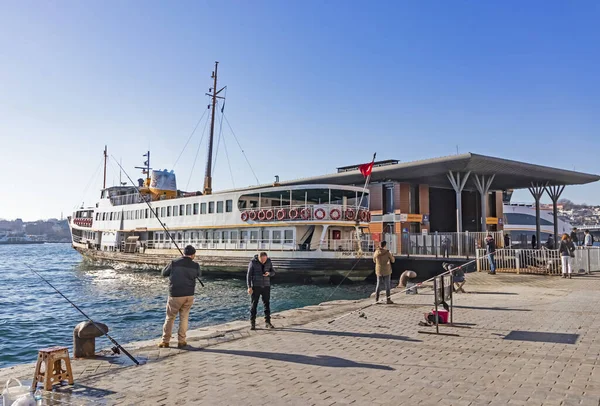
492 293
506 309
319 360
349 334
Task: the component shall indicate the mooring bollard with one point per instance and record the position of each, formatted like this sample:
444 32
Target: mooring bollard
84 338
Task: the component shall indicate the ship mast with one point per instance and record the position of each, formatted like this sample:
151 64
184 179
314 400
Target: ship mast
213 94
105 158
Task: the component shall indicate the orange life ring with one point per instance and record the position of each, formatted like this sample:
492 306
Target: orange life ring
363 215
252 215
244 216
280 214
305 214
349 214
294 214
262 215
335 214
270 214
320 214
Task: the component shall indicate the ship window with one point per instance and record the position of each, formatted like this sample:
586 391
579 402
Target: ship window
253 204
181 210
147 213
234 236
152 213
219 207
218 236
243 236
104 216
289 236
195 208
265 236
97 216
202 208
225 236
111 216
162 211
188 209
209 235
276 237
524 219
211 207
168 211
228 206
253 236
242 204
175 210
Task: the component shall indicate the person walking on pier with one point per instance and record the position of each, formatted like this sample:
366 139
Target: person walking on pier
446 246
490 249
566 250
506 241
258 278
533 242
550 242
574 238
182 274
383 259
588 240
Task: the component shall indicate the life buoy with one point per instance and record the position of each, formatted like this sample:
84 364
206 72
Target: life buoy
244 216
335 214
305 214
270 214
349 214
294 214
252 215
262 215
320 214
280 214
369 216
363 215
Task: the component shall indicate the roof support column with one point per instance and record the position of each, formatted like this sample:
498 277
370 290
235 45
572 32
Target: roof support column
554 192
458 185
537 190
483 187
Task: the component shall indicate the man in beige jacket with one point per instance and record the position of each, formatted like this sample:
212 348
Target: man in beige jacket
383 259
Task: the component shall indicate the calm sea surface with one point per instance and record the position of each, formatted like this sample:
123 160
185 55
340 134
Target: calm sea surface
33 316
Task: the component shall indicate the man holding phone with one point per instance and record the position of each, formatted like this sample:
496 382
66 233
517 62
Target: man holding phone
260 271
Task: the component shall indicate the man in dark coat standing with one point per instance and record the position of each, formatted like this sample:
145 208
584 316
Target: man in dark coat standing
260 271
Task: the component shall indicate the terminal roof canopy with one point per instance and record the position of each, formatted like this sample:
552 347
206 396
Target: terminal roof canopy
508 174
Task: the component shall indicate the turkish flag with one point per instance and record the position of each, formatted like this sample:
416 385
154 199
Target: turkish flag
366 169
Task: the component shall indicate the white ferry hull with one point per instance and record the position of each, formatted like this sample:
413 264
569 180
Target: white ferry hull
299 266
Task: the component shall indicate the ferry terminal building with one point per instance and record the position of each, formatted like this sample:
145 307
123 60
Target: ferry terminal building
455 193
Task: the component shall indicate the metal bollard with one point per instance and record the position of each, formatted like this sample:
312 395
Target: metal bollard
84 338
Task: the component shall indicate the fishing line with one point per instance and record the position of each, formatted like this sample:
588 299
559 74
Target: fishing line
153 212
117 348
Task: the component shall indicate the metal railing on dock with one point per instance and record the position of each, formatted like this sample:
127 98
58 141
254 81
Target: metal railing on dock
446 245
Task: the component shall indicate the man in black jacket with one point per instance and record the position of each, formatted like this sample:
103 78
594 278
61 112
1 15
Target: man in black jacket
182 274
260 271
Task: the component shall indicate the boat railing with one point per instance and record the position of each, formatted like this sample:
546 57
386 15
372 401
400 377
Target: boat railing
131 198
350 245
312 211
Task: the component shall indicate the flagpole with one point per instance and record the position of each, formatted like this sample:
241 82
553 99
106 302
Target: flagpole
359 204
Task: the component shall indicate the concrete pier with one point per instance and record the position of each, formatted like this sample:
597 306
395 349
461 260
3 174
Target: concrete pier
533 340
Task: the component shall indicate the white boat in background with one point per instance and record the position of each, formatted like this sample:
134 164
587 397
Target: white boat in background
519 224
11 238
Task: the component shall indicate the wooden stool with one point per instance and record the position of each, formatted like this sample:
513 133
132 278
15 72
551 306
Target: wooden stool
53 373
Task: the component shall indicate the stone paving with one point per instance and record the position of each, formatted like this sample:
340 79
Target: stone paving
499 357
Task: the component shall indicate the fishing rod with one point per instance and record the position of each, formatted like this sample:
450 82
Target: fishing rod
117 348
153 212
407 289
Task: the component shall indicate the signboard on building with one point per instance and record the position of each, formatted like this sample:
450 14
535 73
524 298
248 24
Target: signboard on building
403 217
491 220
424 231
425 218
414 218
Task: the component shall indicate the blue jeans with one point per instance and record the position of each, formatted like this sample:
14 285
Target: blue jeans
492 263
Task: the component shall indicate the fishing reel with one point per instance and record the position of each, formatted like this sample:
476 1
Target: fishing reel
116 350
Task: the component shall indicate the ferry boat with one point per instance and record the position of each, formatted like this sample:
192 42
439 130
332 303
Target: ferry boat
519 223
7 238
312 233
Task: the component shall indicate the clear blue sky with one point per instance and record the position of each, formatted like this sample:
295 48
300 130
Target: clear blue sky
311 85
